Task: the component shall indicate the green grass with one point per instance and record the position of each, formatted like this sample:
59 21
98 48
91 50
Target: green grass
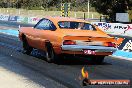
42 13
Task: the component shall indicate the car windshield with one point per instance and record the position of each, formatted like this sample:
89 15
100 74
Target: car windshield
75 25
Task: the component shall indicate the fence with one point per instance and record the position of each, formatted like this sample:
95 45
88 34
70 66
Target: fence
42 13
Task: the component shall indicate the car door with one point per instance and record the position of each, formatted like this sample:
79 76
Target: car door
43 31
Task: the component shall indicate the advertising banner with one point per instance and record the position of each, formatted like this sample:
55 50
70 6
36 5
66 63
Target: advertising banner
106 27
22 19
13 18
125 49
4 17
115 28
126 45
33 20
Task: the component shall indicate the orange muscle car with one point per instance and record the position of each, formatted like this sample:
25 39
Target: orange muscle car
63 35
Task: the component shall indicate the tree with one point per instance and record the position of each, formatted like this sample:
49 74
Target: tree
111 7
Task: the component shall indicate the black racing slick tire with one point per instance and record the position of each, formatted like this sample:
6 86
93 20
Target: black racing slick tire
51 56
27 49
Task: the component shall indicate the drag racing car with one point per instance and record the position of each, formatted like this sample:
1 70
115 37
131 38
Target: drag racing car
58 36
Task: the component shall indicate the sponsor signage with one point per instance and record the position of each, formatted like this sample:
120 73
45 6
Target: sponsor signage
33 20
22 19
126 45
115 28
4 17
13 18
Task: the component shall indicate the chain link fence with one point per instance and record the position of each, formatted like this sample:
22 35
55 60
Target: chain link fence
42 8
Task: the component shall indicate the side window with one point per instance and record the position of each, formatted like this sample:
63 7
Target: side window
52 26
89 27
45 24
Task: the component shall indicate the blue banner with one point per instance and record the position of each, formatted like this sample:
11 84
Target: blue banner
13 18
4 17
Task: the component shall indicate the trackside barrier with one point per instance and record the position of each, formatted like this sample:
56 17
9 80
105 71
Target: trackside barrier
20 19
125 49
115 28
13 18
33 20
123 54
4 17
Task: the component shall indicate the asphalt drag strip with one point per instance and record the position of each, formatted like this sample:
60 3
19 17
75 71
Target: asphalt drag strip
15 75
68 71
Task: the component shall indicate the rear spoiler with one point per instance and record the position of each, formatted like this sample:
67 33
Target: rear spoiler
89 38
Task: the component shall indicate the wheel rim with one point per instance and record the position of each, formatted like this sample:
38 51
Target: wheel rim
49 55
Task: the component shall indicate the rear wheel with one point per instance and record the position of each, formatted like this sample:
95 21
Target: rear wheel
50 54
27 49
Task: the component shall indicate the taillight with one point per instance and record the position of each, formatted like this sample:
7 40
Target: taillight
110 44
69 42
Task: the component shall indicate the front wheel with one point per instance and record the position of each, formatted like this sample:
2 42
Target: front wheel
27 49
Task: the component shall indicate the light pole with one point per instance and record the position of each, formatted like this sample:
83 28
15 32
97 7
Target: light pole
88 8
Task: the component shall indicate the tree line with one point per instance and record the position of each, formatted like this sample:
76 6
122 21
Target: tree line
100 5
106 7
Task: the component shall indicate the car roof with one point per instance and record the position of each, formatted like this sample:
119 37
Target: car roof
58 19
